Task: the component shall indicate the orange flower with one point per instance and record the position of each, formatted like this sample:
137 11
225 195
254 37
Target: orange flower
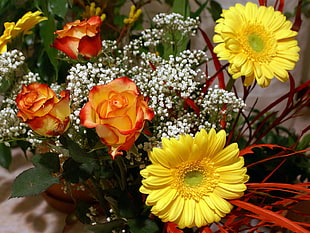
80 37
40 108
118 112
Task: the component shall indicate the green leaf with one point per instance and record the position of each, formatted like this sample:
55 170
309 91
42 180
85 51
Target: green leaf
199 10
48 160
215 10
304 143
143 225
47 34
180 42
59 7
76 172
4 85
42 5
33 181
120 171
181 7
75 151
5 156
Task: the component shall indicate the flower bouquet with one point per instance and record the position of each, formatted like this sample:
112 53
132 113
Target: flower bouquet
156 134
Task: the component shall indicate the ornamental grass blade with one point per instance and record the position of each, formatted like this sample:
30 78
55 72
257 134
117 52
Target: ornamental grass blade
279 155
267 214
298 20
249 149
172 228
215 59
281 5
281 186
205 230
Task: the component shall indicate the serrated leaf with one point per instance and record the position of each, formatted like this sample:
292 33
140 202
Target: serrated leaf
5 156
143 225
33 181
48 160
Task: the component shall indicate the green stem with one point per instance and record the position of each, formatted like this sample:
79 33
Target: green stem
230 84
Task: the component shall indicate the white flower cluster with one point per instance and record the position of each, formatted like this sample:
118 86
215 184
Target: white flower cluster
176 22
10 125
168 28
217 105
167 85
10 64
10 61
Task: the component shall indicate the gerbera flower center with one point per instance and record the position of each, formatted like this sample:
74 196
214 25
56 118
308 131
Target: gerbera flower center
195 179
257 43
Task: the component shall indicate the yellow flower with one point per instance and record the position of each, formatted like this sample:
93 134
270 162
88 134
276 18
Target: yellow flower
190 179
28 21
257 42
23 25
92 10
6 36
134 14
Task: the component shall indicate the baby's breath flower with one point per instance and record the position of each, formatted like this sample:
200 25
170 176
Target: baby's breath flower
10 66
176 22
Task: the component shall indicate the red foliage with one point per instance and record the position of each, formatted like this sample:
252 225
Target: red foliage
217 63
171 227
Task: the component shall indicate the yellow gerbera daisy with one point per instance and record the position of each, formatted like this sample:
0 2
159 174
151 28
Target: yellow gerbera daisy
6 36
190 179
28 21
257 42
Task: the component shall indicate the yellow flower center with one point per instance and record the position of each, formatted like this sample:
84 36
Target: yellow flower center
257 43
195 179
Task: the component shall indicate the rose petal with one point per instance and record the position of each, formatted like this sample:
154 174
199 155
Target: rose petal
123 84
88 116
48 125
90 46
68 45
61 110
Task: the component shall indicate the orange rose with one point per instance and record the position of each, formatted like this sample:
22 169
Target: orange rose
40 108
80 38
118 112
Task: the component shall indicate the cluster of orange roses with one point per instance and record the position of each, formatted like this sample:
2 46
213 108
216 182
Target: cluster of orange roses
116 110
